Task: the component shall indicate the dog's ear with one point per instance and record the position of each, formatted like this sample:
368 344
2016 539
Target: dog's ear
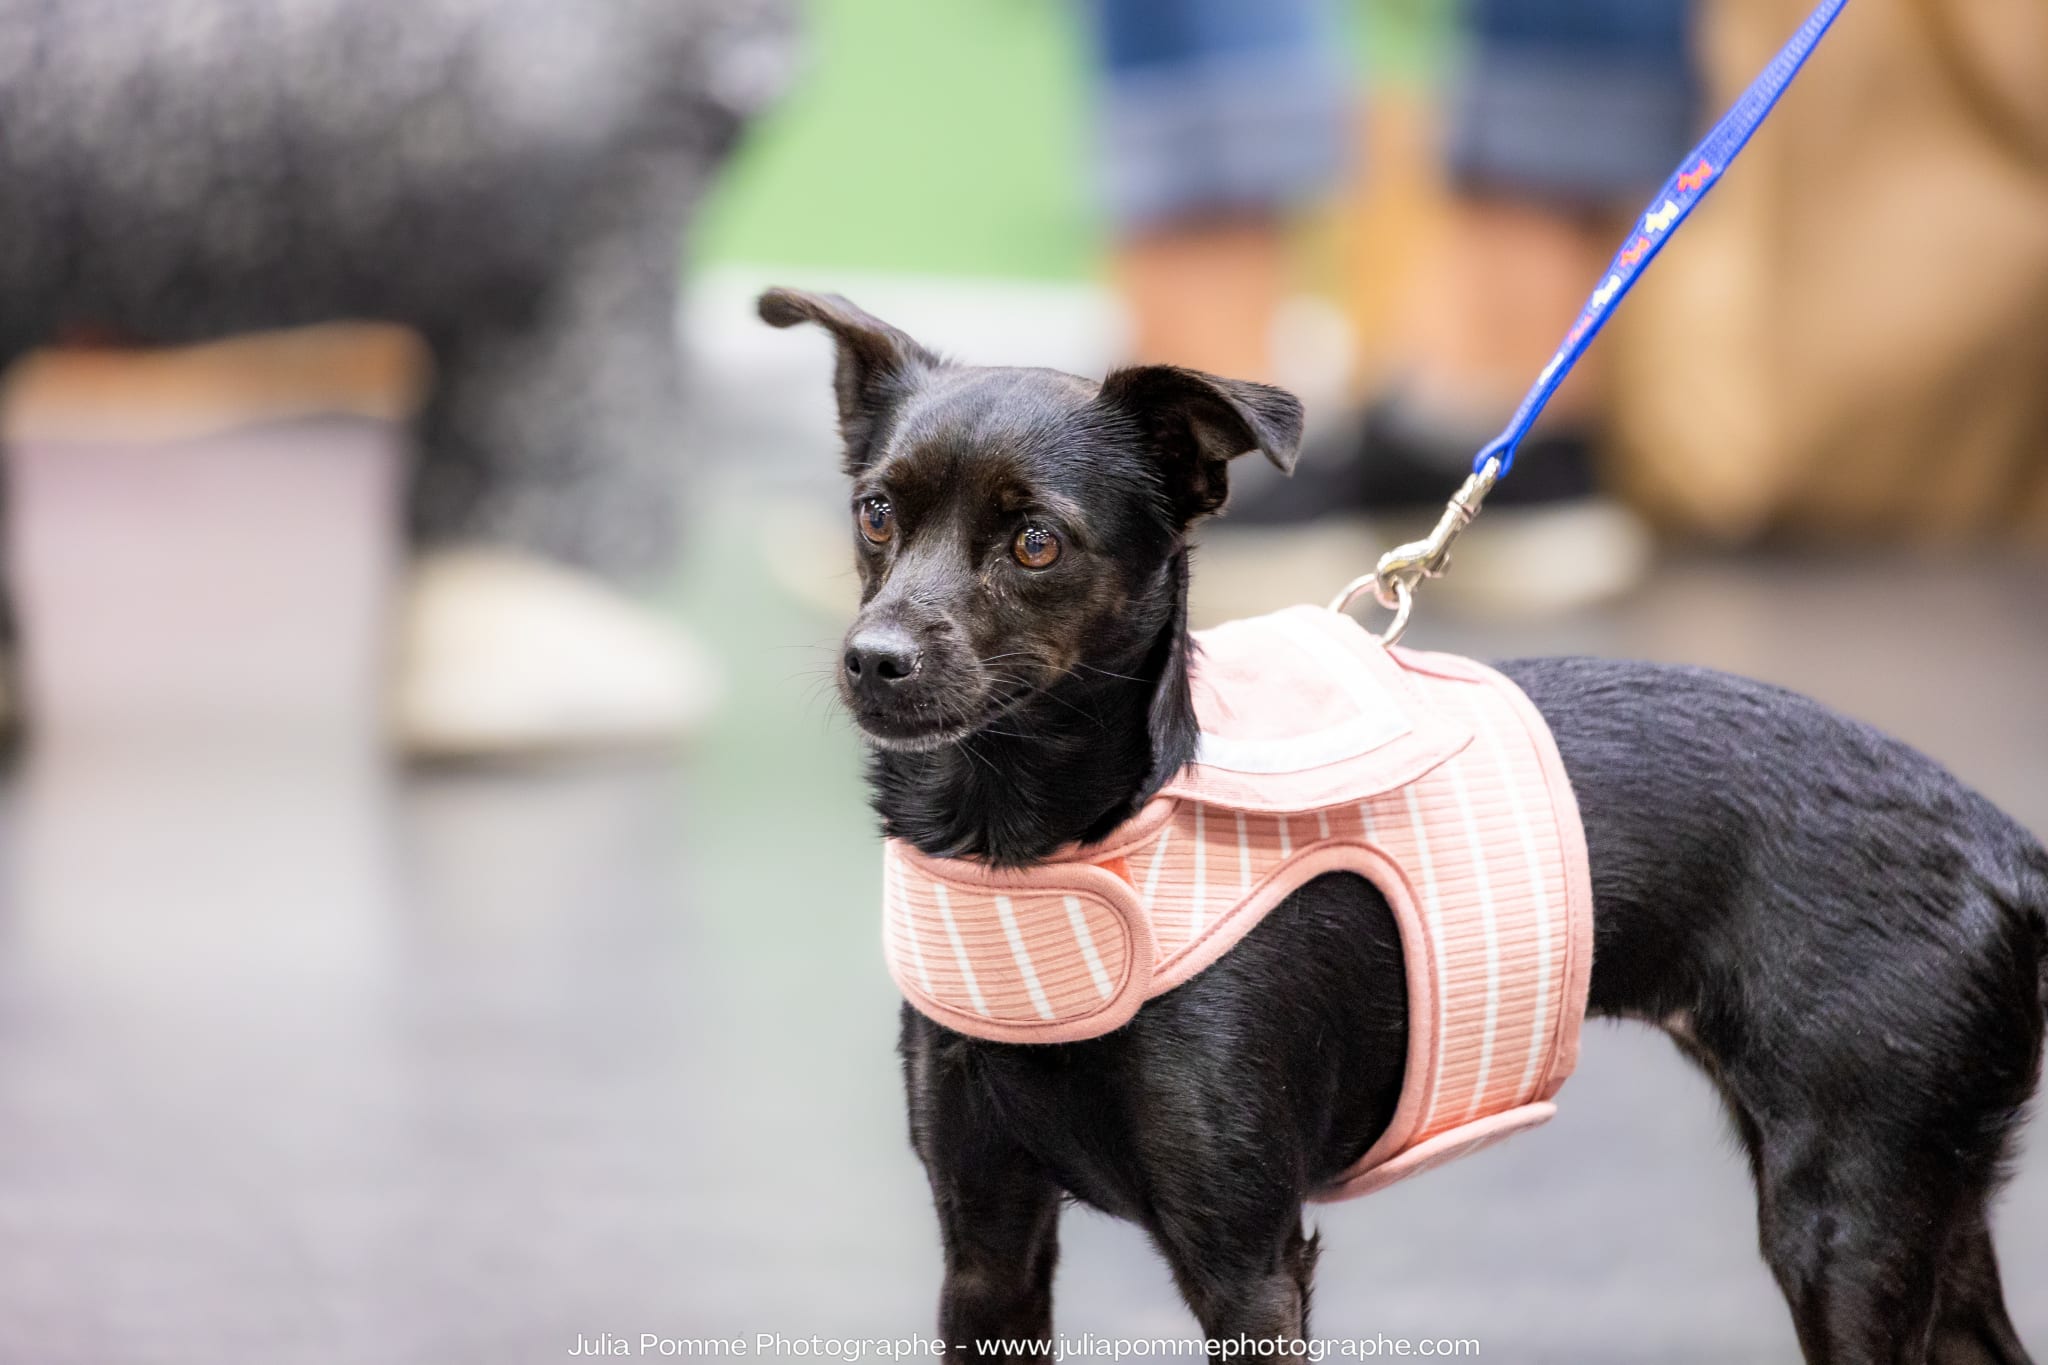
1170 722
877 366
1198 423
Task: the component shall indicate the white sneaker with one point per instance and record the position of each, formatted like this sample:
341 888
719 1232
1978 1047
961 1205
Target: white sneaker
502 654
1516 561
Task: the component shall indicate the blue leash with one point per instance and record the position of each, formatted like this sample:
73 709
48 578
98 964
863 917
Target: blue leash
1401 568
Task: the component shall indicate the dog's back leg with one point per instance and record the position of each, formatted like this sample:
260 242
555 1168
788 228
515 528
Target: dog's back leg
1856 1247
1858 1267
1973 1327
1870 1208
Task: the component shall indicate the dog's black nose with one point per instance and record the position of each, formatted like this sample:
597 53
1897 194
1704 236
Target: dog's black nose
877 657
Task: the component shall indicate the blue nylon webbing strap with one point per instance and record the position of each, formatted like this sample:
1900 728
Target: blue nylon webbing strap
1696 175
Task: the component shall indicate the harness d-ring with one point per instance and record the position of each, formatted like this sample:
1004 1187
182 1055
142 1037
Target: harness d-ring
1401 606
1394 578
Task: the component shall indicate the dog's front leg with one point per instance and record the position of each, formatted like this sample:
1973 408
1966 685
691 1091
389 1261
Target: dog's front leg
998 1208
1247 1287
1000 1225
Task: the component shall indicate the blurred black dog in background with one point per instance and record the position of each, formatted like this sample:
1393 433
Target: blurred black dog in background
1849 942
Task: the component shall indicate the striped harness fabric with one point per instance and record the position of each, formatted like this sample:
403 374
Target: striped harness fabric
1321 751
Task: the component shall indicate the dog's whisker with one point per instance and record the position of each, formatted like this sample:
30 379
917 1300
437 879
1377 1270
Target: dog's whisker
1107 673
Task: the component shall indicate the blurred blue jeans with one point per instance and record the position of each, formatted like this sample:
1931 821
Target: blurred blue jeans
1580 102
1216 107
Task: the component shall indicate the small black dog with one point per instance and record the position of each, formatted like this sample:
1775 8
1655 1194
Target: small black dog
1849 942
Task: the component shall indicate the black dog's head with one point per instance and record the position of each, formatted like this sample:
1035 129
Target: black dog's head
1020 532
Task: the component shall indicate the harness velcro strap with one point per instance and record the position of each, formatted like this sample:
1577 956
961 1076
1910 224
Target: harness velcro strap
1057 953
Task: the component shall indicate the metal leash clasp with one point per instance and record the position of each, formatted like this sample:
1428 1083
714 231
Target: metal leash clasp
1402 569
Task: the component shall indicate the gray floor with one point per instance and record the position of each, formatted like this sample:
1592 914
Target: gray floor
304 1060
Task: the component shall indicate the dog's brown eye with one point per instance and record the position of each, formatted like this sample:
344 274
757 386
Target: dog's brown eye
877 520
1036 547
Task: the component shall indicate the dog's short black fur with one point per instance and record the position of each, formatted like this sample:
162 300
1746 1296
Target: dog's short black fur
1847 940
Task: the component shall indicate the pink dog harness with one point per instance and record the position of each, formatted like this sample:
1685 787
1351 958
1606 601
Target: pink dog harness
1321 751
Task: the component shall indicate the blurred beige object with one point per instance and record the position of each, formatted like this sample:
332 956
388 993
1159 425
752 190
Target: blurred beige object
1850 340
1396 210
205 536
505 654
1239 571
365 370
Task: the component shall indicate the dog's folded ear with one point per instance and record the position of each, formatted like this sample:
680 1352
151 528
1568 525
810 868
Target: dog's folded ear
1199 423
877 365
